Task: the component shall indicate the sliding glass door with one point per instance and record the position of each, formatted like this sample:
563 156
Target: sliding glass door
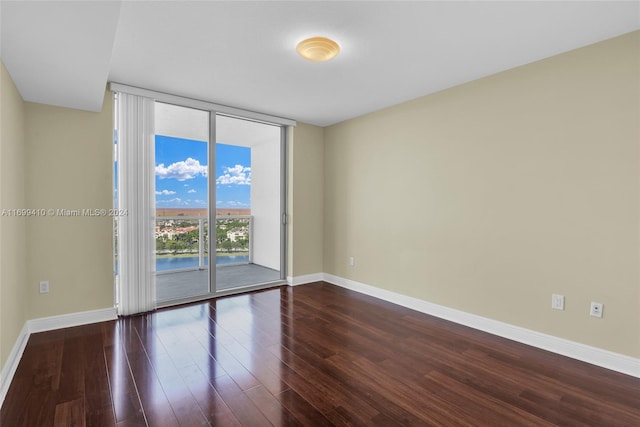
202 194
182 202
240 195
248 195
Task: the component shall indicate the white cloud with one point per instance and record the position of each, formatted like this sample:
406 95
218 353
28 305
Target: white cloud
165 193
237 175
181 171
231 204
192 191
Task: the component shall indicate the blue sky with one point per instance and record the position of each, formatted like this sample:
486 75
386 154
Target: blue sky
181 174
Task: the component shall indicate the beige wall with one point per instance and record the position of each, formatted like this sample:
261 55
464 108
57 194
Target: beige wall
491 196
69 166
305 199
12 229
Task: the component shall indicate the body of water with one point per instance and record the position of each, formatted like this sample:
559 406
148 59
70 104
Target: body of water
176 263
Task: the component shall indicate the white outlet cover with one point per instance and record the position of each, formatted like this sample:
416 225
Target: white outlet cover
557 302
44 287
596 309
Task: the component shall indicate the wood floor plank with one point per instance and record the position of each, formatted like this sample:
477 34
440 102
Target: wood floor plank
70 414
272 408
211 403
242 407
125 398
306 386
72 371
335 387
311 355
302 409
154 402
182 402
397 399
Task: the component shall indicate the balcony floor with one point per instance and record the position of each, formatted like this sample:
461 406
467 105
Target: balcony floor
182 284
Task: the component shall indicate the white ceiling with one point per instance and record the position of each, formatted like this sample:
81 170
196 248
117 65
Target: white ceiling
242 54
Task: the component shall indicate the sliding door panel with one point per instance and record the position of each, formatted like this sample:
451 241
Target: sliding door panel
182 202
248 203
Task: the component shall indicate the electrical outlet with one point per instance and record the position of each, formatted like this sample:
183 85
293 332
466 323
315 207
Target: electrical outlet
44 287
352 261
557 302
596 309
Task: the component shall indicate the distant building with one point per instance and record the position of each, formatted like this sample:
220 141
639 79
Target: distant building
237 234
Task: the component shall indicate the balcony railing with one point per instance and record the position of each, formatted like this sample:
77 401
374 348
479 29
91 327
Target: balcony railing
177 237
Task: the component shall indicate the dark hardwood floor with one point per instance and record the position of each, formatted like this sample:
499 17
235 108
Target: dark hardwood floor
311 355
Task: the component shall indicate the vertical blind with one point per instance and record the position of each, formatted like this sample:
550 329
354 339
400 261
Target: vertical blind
135 195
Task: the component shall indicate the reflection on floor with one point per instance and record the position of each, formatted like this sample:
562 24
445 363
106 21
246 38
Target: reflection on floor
195 282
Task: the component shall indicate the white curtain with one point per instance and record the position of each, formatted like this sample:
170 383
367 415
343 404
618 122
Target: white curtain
136 195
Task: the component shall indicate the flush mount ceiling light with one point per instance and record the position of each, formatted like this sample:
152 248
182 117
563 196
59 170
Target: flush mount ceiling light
318 49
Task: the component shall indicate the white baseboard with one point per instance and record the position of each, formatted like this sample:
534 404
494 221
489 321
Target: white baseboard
596 356
46 324
307 278
10 366
72 319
